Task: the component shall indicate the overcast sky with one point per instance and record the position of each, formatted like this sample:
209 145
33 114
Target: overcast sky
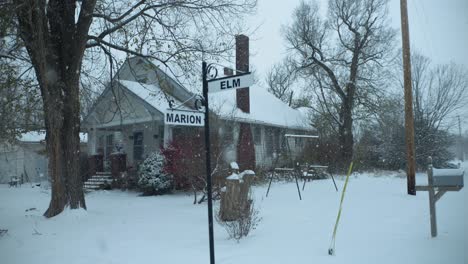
438 29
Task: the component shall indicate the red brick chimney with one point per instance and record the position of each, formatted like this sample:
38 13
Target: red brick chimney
228 71
242 65
245 145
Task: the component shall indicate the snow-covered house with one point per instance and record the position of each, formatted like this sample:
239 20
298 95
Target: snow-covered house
129 115
26 158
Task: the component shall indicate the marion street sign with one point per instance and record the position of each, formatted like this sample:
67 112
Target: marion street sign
230 82
184 118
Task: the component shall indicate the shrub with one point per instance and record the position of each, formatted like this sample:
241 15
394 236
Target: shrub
185 160
153 179
241 227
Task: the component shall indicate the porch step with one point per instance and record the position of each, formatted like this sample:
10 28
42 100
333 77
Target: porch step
106 173
98 180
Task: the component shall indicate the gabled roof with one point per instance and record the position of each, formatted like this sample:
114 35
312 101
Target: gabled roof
153 95
265 108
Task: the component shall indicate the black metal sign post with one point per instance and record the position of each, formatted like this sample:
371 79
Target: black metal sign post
208 163
231 82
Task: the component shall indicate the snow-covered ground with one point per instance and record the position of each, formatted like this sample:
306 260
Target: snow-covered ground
380 223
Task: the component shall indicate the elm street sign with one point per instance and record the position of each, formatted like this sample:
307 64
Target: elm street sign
230 82
184 118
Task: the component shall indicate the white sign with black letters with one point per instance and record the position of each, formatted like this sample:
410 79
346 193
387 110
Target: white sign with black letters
230 83
184 118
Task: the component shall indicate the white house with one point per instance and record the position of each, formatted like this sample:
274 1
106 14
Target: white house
129 115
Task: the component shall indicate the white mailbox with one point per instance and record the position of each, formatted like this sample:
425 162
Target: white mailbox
440 181
448 177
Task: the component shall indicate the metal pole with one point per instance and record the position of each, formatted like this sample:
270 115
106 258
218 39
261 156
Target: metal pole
208 164
432 200
460 139
409 120
296 171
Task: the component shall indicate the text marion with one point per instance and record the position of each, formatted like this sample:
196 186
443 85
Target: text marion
190 119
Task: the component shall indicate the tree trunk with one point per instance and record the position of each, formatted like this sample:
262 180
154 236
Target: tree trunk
55 40
63 143
346 112
346 138
235 202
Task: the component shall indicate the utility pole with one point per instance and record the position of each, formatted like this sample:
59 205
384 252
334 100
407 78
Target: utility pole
409 119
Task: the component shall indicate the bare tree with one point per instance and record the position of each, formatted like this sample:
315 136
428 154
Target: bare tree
438 91
18 93
56 34
280 79
341 57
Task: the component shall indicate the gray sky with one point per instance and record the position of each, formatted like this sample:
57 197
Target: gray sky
438 29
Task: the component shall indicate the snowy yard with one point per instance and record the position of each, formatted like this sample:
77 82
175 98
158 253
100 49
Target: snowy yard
379 224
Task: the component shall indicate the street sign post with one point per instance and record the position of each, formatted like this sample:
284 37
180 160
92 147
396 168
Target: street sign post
230 82
184 118
216 85
205 70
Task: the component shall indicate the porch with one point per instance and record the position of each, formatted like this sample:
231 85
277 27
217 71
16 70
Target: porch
118 148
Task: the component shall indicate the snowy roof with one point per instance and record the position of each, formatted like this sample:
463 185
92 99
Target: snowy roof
304 110
39 136
153 95
265 108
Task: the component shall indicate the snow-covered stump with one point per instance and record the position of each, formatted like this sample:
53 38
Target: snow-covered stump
235 200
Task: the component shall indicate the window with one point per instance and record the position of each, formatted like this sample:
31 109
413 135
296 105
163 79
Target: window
142 78
269 141
257 135
138 145
228 132
109 145
282 141
298 142
100 146
161 136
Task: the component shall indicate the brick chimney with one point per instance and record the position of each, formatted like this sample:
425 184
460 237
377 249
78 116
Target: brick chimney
242 65
245 145
228 71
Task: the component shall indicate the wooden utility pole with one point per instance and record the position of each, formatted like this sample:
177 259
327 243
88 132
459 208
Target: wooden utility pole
409 119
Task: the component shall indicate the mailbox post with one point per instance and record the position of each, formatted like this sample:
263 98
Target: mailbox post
440 181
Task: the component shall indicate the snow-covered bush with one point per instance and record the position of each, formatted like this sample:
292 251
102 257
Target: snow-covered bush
152 177
248 221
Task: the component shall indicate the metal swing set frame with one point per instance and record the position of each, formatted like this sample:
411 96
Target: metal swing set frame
310 172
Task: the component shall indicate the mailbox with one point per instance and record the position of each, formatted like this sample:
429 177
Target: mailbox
448 177
440 182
